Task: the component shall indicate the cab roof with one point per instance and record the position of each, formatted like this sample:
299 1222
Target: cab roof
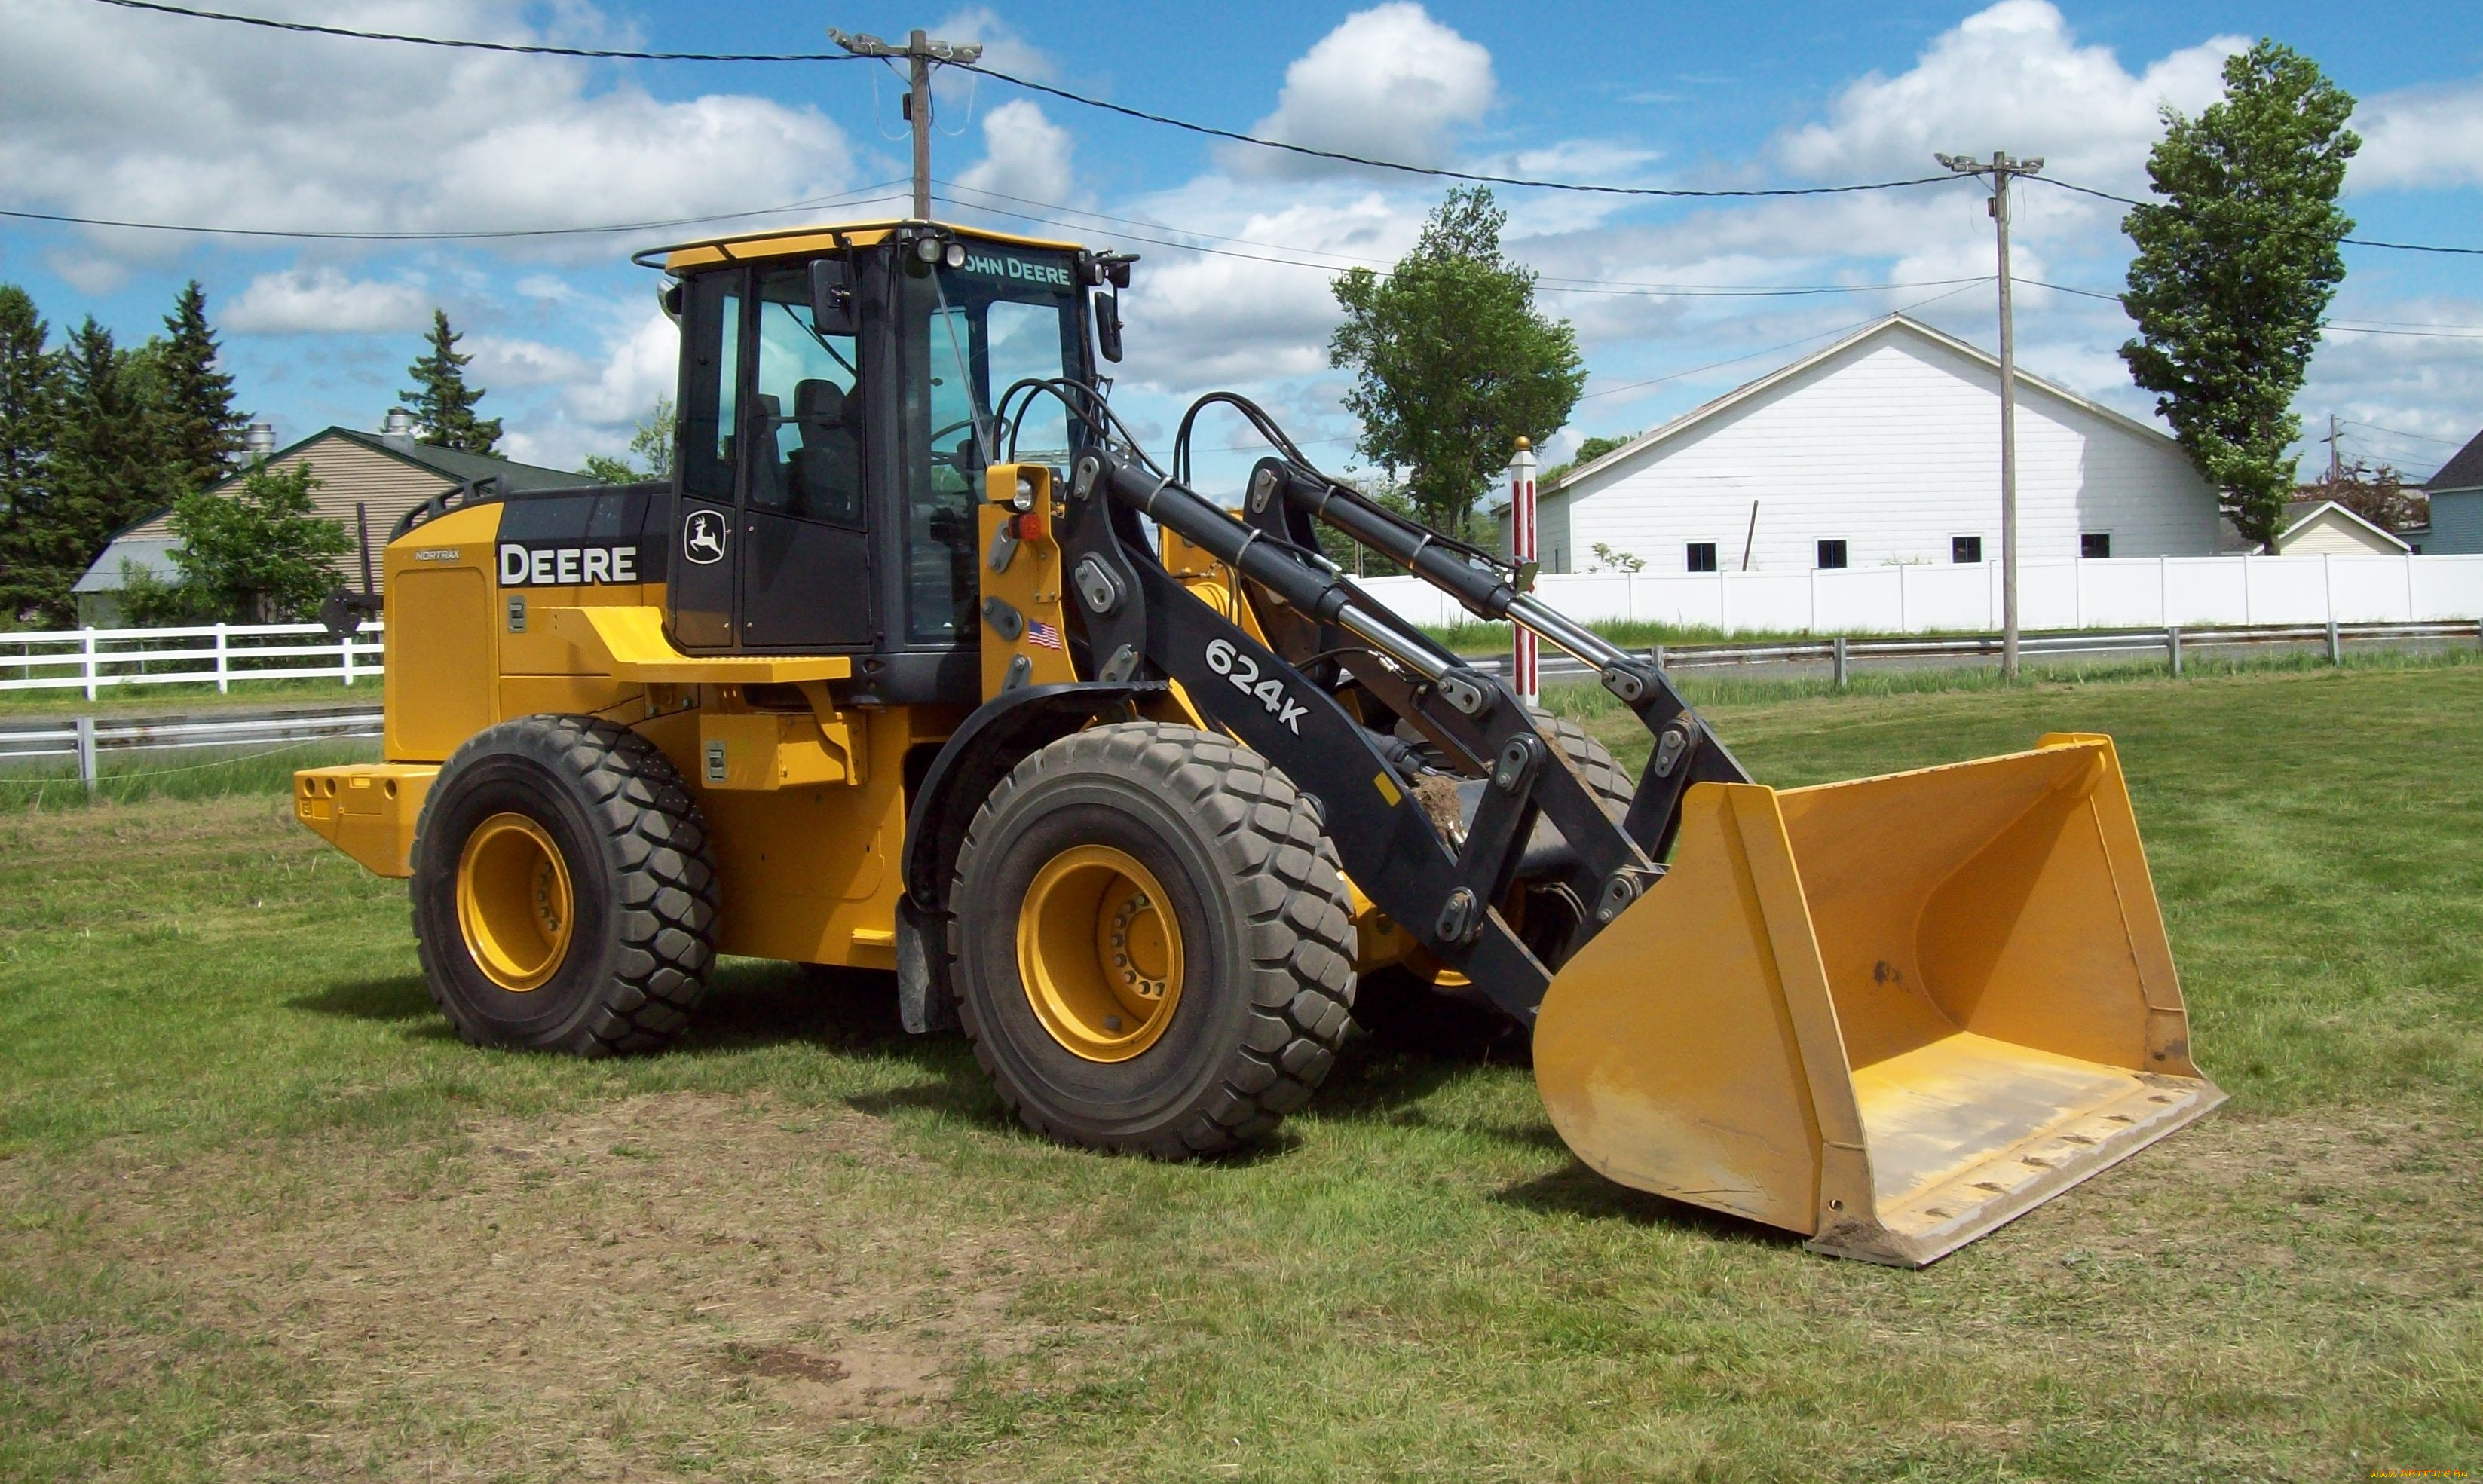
803 241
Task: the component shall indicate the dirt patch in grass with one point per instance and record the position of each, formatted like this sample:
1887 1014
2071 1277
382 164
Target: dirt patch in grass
547 1296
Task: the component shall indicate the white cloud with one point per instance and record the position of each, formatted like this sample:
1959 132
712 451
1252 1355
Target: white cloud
1390 83
1005 50
1212 319
325 300
505 362
109 112
1024 154
2011 77
2422 138
639 365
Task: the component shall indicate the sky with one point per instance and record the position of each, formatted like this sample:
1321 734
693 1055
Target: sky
107 112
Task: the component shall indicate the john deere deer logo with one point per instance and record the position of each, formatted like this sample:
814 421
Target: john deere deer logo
702 539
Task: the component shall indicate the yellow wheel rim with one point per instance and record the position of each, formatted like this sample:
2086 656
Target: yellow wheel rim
514 902
1099 952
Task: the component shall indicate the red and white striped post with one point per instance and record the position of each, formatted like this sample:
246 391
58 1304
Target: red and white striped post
1527 672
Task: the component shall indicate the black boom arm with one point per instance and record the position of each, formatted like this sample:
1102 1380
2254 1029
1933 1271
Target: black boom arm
1442 878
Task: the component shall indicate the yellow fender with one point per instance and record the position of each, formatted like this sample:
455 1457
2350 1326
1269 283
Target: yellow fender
1889 1013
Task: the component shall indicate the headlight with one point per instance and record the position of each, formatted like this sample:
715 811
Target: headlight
956 254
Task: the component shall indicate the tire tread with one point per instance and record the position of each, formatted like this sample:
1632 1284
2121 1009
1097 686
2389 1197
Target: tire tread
1298 933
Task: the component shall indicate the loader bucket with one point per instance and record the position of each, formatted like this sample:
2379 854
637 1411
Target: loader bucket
1889 1013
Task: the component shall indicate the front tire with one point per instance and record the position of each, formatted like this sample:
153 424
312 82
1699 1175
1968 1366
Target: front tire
1152 942
564 894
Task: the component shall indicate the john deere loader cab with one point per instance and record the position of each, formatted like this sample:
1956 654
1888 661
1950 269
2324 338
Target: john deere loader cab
835 412
920 663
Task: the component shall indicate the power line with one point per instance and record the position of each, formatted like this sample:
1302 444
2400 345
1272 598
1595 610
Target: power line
1436 171
592 53
1549 284
857 198
2419 334
1209 130
1841 329
2401 433
2359 241
2063 288
2341 327
1031 86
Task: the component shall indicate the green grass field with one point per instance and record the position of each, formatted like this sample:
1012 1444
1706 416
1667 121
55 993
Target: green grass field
263 1216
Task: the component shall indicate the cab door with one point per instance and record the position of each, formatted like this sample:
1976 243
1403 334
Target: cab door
705 519
804 557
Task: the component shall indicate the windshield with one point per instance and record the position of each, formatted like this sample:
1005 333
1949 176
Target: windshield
968 334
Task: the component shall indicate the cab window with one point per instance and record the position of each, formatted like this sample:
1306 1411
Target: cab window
806 422
966 336
712 324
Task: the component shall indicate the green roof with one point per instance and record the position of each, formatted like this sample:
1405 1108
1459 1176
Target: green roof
455 464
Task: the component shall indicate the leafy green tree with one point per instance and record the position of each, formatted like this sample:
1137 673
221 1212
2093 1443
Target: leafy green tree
30 397
650 451
1594 447
1351 555
256 555
441 404
200 432
1453 362
2235 265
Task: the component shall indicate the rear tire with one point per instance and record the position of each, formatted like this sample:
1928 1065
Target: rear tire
564 894
1199 848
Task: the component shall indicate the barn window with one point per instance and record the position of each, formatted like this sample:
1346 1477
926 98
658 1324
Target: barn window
1965 550
2095 546
1702 556
1832 553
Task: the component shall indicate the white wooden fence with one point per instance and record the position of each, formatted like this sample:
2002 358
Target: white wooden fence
2116 592
96 659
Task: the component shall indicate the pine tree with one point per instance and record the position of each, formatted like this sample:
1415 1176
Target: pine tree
104 474
30 395
199 431
107 461
440 401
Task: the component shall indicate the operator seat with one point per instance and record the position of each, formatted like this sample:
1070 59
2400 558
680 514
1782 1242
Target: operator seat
827 468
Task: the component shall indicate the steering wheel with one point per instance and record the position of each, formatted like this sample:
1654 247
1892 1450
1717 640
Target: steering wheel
954 457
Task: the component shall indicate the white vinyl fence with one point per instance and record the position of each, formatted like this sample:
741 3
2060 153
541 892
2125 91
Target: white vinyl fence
2153 592
94 659
2149 593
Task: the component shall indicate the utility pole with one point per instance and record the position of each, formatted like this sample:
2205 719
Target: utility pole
2001 169
2335 452
920 51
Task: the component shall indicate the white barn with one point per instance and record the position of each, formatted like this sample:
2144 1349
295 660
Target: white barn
1883 448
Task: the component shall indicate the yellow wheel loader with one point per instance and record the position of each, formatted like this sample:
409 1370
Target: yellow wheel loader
919 663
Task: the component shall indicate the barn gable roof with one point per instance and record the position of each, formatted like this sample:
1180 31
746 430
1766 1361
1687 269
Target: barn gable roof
1879 328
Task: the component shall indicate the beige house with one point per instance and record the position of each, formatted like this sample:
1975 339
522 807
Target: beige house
361 476
2326 528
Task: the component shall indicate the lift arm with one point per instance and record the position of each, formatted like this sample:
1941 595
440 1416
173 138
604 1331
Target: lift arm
1444 890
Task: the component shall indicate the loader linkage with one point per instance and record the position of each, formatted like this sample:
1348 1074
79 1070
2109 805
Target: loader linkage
1446 891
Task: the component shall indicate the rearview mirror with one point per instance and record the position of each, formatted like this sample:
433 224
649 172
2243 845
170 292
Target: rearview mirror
832 307
1107 326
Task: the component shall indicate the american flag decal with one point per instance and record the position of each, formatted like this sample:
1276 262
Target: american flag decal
1042 634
